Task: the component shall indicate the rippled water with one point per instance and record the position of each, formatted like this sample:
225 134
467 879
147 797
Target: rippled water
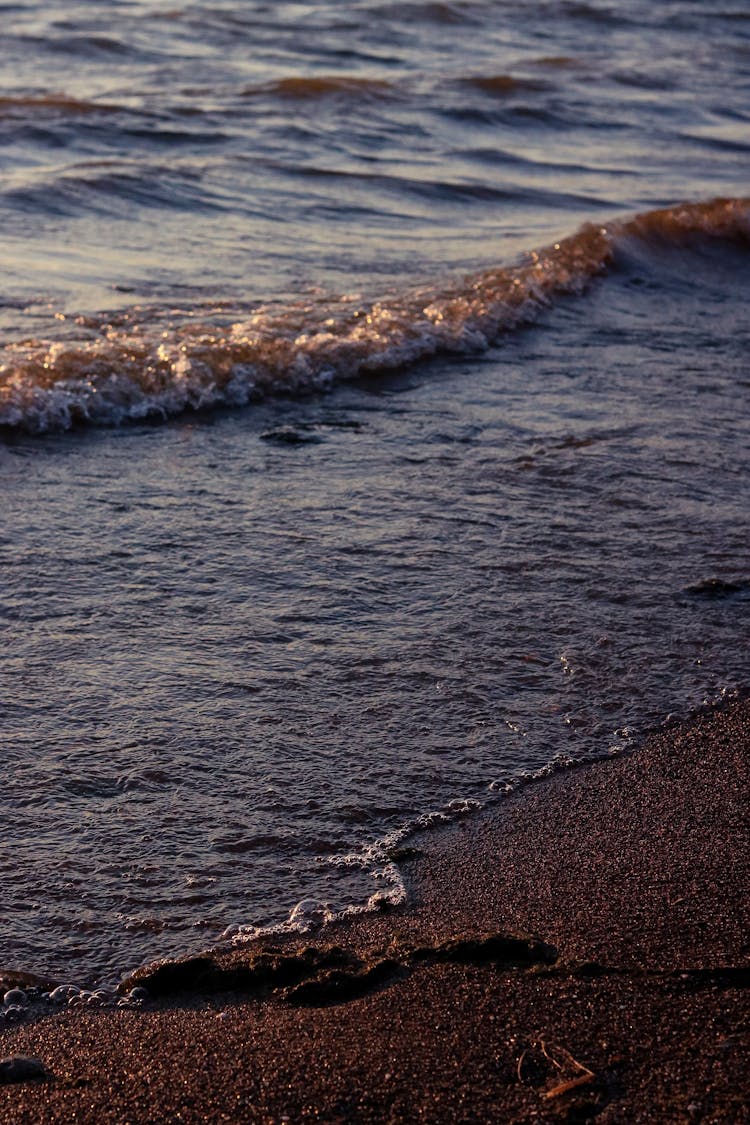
344 476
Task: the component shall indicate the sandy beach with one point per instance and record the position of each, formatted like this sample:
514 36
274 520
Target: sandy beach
579 953
375 463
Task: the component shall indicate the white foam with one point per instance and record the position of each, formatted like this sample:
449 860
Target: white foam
376 858
155 364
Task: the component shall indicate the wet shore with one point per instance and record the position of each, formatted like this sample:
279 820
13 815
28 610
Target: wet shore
581 953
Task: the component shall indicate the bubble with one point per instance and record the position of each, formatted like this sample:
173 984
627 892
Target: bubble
16 996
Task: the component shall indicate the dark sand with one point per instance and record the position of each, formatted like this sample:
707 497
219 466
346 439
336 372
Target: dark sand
632 1006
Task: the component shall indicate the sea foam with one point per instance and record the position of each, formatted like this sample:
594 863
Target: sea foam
151 364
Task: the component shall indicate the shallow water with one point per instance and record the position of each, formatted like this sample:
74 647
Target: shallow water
246 642
156 153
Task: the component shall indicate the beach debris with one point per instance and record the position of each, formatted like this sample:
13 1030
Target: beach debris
543 1062
21 1068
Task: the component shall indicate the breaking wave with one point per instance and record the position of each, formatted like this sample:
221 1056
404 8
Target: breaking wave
151 363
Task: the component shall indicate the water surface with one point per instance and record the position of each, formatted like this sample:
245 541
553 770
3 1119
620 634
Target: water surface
362 452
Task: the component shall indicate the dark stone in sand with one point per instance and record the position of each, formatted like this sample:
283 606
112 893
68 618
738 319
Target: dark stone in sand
505 950
165 978
21 1068
329 974
14 978
338 985
260 972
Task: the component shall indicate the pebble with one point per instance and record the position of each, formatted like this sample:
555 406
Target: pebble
21 1068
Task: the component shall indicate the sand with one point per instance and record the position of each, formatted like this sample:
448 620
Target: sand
579 953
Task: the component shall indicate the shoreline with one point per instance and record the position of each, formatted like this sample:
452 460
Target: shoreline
578 952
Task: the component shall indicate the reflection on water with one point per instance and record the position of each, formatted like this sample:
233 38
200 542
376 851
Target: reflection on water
250 641
251 152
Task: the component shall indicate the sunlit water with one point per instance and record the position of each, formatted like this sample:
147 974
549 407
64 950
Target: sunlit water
304 534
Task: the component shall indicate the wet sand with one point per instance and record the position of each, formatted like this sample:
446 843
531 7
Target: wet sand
581 953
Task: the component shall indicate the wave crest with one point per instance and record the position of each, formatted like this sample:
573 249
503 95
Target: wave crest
150 365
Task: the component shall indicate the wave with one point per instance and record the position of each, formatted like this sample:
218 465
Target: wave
439 12
322 86
442 190
112 188
52 105
501 85
150 363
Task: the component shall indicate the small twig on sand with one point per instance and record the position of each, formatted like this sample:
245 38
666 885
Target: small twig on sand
581 1079
547 1055
571 1084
